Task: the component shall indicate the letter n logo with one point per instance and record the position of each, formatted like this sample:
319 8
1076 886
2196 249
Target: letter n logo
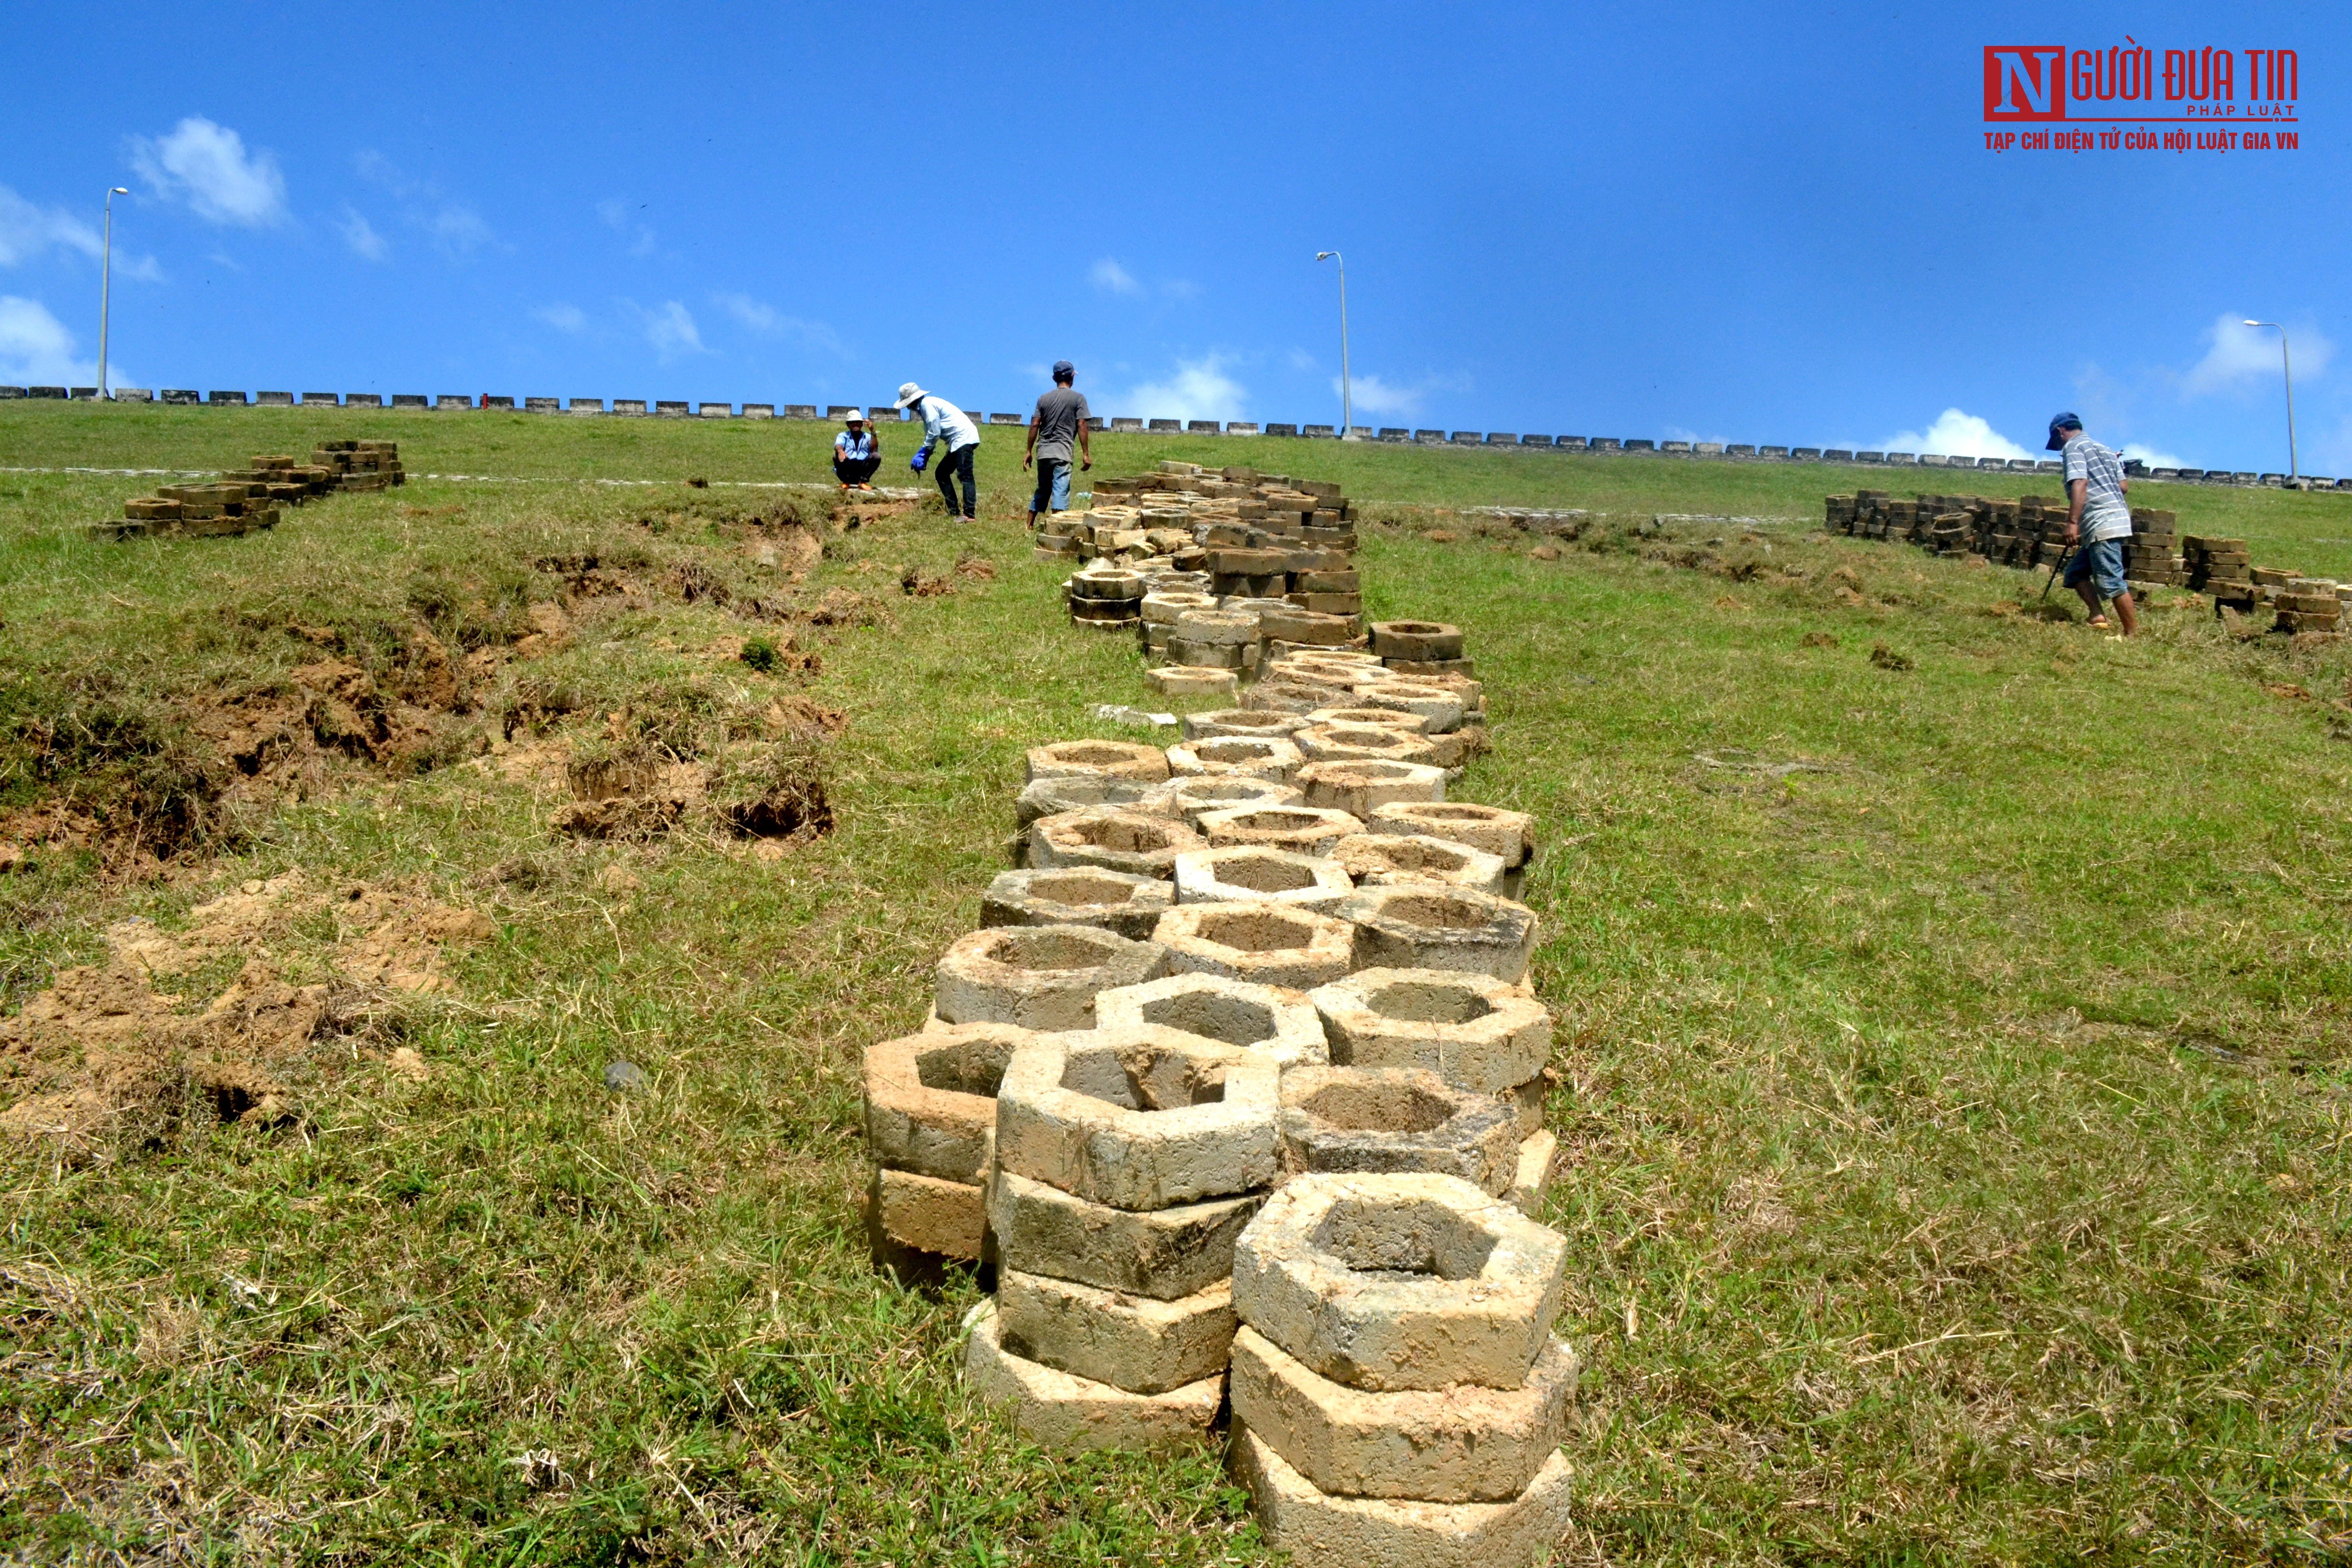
2024 81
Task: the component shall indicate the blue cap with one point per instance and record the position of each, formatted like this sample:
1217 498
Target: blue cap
2061 422
1063 368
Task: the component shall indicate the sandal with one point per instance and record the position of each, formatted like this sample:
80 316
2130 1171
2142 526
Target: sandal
2099 623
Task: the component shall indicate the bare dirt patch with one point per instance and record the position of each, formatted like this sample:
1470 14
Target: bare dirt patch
105 1059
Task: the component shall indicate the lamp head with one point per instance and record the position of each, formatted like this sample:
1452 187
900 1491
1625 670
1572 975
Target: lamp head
118 191
1324 255
2253 323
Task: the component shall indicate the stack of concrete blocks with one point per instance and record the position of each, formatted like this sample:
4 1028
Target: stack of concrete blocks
2222 567
1279 545
242 499
2029 531
1129 1157
2154 553
1398 1396
361 465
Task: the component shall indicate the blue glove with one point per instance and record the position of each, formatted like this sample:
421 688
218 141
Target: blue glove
922 460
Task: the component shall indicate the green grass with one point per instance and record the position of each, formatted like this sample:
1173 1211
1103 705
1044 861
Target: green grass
1957 1116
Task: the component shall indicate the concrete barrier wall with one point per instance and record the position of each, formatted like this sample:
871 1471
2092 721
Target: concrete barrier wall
1721 451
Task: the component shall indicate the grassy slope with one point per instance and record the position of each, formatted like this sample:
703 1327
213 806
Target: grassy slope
1959 1121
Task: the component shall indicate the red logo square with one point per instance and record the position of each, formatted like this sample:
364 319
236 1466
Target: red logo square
2024 82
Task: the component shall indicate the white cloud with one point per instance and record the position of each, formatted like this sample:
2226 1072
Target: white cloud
669 328
362 236
1112 278
36 349
1199 390
1300 360
616 214
1956 434
2151 457
458 230
26 231
1395 398
455 228
2236 353
562 318
207 167
766 319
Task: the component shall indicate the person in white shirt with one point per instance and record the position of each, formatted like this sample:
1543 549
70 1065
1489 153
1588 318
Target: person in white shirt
944 422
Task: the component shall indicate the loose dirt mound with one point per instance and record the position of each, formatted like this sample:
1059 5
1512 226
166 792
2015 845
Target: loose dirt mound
103 1058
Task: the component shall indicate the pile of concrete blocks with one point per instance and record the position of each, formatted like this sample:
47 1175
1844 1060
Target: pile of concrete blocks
1128 1158
1230 533
1398 1396
2030 532
1256 1003
2222 567
244 500
361 465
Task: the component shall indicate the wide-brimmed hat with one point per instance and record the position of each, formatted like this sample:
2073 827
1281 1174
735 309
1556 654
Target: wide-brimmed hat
853 416
908 392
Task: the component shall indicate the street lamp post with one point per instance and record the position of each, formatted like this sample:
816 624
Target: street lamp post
1347 408
2286 364
106 285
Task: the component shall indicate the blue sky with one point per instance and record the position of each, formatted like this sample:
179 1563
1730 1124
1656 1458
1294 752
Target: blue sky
1739 223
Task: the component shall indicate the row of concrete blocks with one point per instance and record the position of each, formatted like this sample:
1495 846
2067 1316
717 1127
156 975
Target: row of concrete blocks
1427 1431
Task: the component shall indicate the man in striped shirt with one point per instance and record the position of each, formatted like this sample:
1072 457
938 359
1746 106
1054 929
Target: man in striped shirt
2098 514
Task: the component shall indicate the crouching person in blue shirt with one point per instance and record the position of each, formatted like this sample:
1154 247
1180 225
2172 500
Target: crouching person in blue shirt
857 453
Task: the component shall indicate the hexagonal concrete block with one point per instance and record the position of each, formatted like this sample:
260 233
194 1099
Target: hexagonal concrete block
1351 712
1374 743
1470 1029
1192 798
1426 925
1076 791
1247 756
1137 1116
1319 1531
1382 1120
1191 680
1040 977
1114 759
924 1214
1115 838
1508 834
1123 901
930 1099
1286 696
1253 722
1418 858
1242 874
1281 1023
1439 711
1358 786
1161 1253
1538 1158
1075 1414
1453 1445
1308 829
1398 1281
1259 941
1128 1342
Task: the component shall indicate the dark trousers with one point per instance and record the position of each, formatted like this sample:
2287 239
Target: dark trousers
855 470
957 463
